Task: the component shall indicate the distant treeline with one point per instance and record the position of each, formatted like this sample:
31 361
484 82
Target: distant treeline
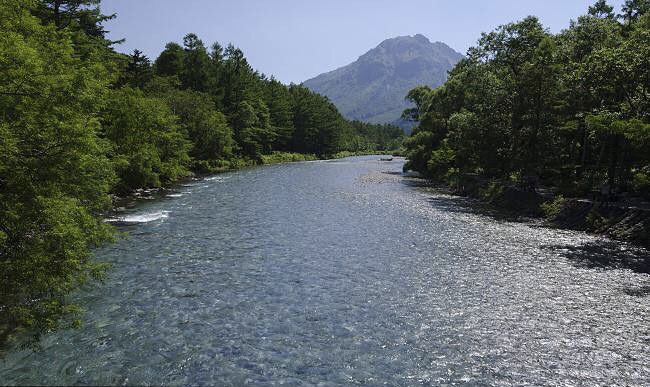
79 121
570 110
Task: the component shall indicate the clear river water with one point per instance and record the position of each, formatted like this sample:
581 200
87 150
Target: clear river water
347 273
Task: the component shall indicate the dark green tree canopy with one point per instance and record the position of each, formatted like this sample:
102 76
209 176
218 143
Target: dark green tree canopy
601 9
196 63
138 71
54 171
634 9
83 15
570 108
170 62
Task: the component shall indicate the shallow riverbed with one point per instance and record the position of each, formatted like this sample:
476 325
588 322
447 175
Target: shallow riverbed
345 272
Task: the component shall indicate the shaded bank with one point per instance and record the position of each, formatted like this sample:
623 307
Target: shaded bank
620 220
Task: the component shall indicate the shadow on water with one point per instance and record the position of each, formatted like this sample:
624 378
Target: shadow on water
465 205
443 198
413 181
607 254
604 254
642 291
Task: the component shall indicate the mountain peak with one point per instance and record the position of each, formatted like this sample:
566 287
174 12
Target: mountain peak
373 87
401 42
405 38
421 38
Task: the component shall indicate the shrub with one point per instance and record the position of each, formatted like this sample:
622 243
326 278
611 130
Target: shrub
552 208
641 184
492 191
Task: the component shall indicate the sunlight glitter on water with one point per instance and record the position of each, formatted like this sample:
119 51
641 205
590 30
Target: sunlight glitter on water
337 273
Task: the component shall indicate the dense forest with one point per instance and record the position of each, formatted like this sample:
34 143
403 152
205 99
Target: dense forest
569 111
80 123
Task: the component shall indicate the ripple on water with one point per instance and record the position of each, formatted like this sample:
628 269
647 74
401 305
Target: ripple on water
339 273
139 217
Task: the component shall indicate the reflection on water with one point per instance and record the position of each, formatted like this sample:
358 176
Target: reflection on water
336 273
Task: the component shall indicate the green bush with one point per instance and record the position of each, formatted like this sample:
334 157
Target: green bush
492 191
641 184
286 157
595 220
440 161
553 208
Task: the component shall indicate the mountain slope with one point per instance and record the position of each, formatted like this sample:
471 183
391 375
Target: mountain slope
373 87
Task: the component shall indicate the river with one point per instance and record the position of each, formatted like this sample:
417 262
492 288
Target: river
341 273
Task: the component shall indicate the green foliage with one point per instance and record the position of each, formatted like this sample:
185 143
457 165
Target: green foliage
170 62
491 191
54 175
149 149
194 71
286 157
634 9
569 109
368 137
596 221
318 125
206 128
441 160
279 103
138 71
419 148
602 10
73 14
641 183
553 208
344 154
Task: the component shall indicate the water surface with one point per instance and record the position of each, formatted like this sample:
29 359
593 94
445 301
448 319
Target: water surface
343 273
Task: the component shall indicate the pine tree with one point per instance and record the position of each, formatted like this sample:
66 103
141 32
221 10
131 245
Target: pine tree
138 71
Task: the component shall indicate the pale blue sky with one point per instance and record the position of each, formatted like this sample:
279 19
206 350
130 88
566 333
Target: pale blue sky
295 40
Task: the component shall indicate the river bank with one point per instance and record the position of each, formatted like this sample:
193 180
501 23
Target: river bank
129 200
625 220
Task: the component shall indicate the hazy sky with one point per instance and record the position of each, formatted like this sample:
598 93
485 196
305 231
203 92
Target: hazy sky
298 39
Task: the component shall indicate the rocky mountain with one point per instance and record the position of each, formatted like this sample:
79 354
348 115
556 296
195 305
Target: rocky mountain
373 87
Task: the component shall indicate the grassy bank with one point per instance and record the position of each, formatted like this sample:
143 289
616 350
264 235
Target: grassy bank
344 154
286 157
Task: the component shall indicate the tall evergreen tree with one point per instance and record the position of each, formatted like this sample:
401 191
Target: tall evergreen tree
82 15
171 61
196 62
138 71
